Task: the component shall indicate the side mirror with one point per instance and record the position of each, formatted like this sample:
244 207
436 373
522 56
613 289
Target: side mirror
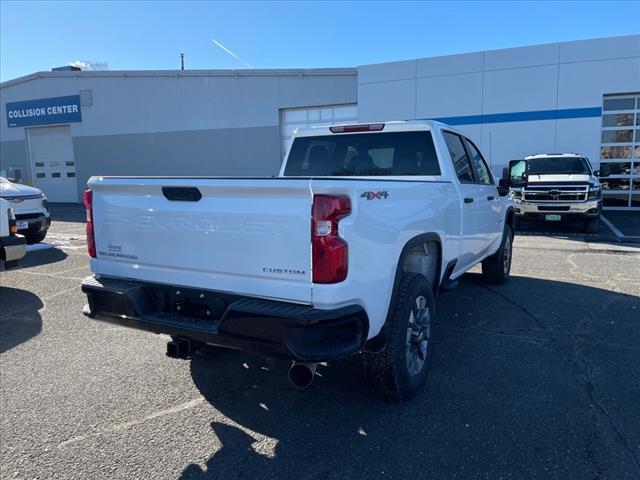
503 187
506 173
605 171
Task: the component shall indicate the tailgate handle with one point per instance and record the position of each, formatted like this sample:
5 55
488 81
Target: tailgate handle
182 194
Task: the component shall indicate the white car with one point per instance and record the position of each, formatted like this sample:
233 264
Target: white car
344 253
31 208
12 245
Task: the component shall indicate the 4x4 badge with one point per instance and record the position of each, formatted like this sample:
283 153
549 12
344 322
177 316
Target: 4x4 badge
375 195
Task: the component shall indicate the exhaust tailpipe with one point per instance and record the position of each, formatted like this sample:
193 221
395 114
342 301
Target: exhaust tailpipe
301 374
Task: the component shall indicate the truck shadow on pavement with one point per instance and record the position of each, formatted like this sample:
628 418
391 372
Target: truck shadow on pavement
573 230
19 317
45 256
534 378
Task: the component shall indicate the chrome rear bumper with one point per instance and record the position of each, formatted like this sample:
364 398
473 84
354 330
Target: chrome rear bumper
13 248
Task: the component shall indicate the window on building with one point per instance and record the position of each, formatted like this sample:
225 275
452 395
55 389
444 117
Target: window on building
620 149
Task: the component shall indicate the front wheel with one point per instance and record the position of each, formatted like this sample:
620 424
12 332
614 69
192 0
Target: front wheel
497 268
399 371
32 238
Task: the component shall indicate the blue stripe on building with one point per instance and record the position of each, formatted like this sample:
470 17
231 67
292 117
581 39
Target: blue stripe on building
524 116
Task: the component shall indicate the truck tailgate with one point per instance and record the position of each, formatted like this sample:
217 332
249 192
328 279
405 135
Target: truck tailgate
247 236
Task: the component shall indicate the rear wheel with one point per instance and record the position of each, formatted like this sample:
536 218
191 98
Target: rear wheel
497 268
592 225
400 370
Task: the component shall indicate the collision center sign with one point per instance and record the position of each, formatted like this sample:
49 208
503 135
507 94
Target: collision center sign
44 111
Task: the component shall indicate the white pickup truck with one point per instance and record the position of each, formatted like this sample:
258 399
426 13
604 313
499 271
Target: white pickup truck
556 187
31 209
12 245
344 252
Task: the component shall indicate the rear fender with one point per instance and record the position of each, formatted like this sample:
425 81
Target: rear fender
378 343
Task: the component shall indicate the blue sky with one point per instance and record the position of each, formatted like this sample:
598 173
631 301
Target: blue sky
37 36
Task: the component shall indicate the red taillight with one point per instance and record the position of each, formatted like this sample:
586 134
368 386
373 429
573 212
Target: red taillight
91 240
330 252
367 127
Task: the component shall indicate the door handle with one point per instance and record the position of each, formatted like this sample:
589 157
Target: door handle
468 200
490 197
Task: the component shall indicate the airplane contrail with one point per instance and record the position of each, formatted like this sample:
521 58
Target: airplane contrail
230 52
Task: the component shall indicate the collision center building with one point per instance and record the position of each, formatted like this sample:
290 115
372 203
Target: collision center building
59 128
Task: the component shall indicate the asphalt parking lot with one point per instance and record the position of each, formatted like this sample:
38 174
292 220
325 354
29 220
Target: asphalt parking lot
538 378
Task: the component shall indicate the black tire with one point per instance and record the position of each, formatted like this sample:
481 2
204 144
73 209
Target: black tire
32 238
497 268
592 225
389 371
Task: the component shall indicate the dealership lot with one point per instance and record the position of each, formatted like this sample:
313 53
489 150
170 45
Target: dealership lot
538 378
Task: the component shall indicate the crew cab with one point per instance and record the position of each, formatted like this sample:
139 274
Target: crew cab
556 187
31 209
344 252
12 245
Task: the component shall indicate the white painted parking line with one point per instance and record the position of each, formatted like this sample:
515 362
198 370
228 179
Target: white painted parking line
39 246
36 247
123 426
41 274
617 232
67 236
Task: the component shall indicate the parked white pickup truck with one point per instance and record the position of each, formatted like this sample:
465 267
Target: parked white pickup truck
344 252
31 208
12 245
556 187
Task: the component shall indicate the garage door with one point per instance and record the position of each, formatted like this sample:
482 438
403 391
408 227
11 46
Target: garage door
53 163
293 118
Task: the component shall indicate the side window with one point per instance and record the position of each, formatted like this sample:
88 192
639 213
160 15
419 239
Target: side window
480 169
517 170
459 157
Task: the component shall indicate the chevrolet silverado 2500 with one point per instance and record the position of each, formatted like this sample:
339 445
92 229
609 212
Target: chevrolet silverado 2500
556 187
344 252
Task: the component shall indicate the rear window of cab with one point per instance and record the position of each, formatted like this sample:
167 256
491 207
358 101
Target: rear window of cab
363 154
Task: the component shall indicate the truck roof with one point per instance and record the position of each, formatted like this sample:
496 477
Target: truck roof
553 155
391 126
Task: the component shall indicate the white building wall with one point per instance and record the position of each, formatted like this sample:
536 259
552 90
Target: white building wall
152 102
171 122
468 87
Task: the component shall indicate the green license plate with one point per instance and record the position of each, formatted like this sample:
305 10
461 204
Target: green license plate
552 218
